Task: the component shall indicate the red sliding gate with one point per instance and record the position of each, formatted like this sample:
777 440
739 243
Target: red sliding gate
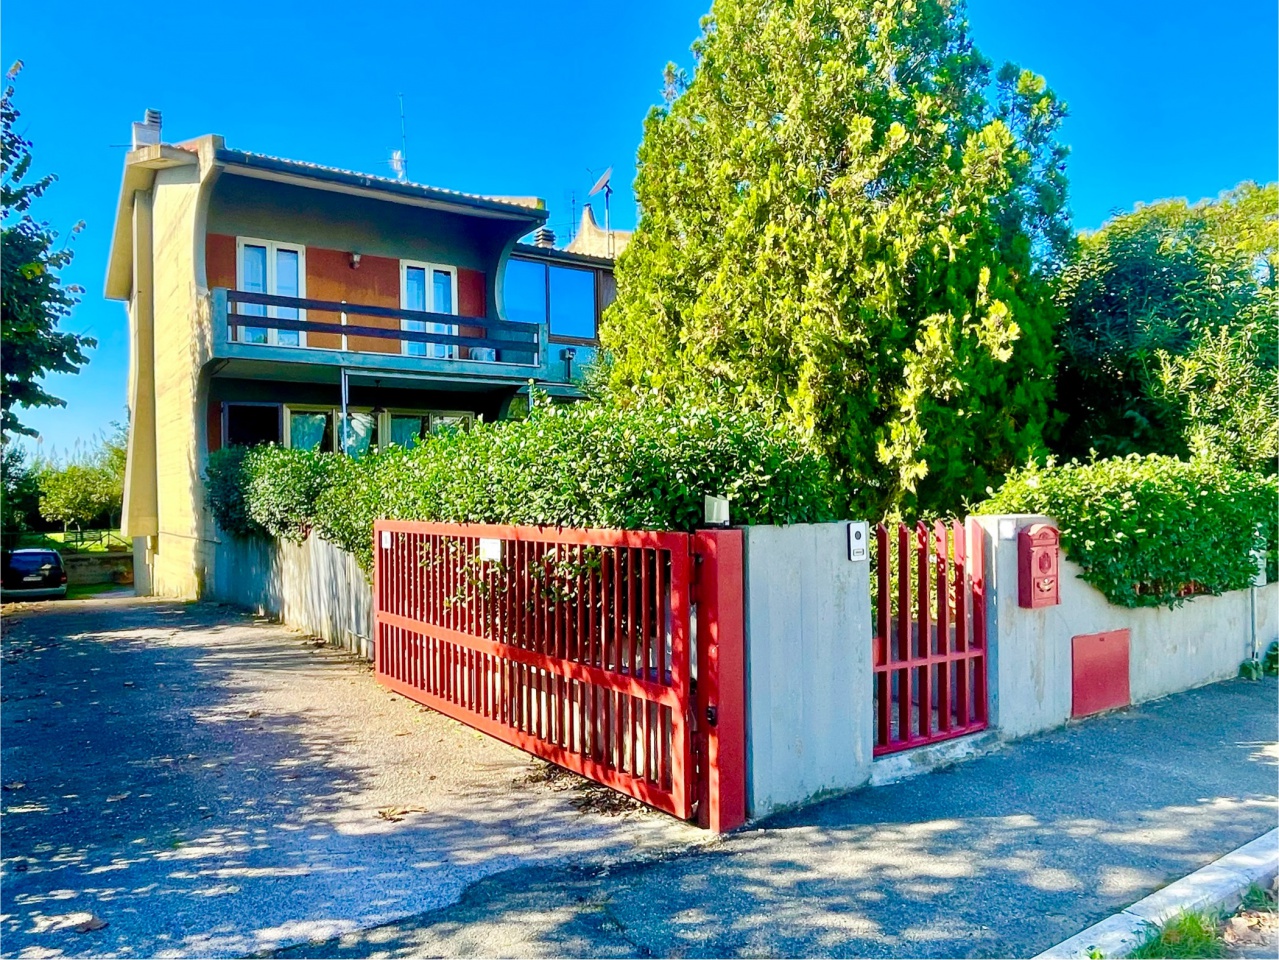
929 636
577 646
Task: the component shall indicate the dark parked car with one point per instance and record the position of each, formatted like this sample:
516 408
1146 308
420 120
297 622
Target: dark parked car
33 574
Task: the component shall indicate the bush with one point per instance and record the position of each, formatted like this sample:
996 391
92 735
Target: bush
224 492
1151 530
646 466
267 490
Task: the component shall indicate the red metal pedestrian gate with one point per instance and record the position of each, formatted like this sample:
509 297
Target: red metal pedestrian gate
929 636
578 647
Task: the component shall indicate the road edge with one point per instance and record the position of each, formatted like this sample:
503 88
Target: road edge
1218 886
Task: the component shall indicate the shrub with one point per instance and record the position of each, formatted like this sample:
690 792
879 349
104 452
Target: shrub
282 487
587 465
1151 530
267 490
224 492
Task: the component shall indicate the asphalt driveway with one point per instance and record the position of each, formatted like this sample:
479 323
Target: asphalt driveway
1001 856
208 785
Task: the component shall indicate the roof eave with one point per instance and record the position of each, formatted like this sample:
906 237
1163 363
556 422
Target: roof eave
140 166
287 171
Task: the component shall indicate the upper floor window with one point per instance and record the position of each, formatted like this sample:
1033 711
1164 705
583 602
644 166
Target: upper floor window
278 269
432 289
535 291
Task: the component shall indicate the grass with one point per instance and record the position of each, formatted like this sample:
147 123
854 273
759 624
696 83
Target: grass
1188 935
1258 898
82 591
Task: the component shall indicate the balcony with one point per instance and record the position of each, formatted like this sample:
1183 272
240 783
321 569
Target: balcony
302 339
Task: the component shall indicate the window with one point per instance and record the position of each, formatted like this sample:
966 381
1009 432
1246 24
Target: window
251 424
431 289
311 429
319 428
572 302
410 429
524 291
361 432
278 269
534 291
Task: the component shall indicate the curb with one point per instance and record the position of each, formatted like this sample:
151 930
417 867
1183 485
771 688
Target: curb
1218 886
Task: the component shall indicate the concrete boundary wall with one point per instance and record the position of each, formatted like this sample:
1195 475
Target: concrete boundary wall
808 665
1201 641
311 586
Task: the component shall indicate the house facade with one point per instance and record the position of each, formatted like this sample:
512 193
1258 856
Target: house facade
276 301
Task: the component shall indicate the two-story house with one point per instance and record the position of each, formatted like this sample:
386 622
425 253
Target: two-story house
276 301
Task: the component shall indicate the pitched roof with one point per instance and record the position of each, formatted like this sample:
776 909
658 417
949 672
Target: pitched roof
527 208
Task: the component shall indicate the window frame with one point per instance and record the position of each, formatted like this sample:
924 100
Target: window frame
272 247
226 416
430 269
287 411
384 429
546 265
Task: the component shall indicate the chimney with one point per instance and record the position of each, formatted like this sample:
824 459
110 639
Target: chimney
147 132
544 237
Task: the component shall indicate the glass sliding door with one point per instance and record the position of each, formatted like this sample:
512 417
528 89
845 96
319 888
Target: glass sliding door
429 289
253 262
277 269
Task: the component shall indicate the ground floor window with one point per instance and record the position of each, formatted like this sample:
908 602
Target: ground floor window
252 424
408 429
320 428
310 429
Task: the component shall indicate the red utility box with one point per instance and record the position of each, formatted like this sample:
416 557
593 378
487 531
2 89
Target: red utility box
1099 672
1038 559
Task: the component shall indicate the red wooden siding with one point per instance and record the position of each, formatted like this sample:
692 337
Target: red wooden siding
471 302
330 276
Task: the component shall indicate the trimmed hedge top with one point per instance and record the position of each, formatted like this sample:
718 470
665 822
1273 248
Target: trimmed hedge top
1153 530
586 465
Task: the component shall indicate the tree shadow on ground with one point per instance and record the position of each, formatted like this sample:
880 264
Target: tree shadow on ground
1001 856
208 785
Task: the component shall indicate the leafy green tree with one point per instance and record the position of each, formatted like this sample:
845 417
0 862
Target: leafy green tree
76 494
33 299
20 492
1171 333
848 219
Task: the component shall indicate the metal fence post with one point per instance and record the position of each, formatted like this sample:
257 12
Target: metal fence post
721 679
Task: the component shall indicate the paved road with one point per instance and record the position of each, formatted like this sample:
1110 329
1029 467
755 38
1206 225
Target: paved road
998 857
211 786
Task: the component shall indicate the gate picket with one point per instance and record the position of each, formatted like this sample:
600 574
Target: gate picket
935 672
574 646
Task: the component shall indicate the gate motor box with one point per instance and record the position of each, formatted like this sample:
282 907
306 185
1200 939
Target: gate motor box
1038 559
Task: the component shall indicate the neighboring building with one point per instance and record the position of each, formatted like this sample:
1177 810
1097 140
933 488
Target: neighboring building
274 301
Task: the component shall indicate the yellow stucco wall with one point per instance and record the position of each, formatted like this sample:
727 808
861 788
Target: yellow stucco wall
179 554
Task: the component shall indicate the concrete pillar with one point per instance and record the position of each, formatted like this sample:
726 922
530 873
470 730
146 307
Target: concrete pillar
809 713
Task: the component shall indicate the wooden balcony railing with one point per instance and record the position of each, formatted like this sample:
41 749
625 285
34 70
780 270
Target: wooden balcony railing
474 333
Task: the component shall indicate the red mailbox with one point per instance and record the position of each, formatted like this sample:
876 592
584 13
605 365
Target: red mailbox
1038 560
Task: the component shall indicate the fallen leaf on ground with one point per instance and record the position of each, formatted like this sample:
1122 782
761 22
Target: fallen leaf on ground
396 814
88 926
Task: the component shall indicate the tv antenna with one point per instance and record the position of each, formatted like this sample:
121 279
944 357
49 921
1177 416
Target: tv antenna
400 157
603 184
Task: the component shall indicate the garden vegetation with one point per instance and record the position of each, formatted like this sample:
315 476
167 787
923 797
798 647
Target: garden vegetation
644 466
1152 530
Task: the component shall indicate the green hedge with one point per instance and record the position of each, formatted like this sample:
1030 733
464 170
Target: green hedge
586 465
1150 530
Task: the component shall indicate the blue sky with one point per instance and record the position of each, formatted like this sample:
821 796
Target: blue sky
1169 98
